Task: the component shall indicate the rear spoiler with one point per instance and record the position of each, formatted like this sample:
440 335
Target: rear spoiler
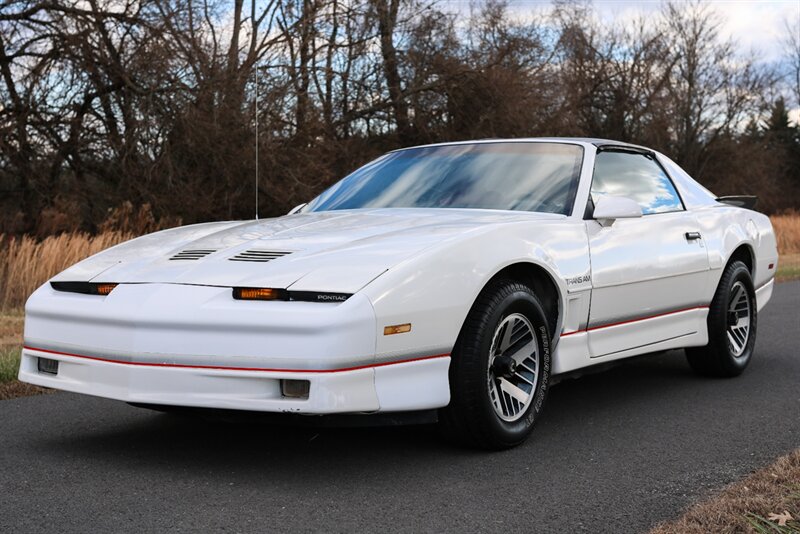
740 201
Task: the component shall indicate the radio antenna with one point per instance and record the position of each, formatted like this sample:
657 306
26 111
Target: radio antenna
256 113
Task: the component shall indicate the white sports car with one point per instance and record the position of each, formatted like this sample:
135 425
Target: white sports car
450 280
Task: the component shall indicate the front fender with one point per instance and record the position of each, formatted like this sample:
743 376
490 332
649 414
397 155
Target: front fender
435 290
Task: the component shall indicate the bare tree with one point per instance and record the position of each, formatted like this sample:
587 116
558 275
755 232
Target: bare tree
104 102
713 89
792 46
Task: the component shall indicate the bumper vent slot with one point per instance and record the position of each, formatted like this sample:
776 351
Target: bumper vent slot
50 367
195 254
258 255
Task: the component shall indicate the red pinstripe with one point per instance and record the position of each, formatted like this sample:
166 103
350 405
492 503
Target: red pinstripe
228 368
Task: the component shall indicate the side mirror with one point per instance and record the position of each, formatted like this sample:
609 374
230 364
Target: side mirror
611 208
296 208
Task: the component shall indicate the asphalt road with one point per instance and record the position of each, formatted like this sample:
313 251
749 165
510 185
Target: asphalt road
617 451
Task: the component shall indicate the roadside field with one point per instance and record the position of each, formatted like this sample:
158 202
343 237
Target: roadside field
10 344
9 364
788 267
766 501
787 231
26 263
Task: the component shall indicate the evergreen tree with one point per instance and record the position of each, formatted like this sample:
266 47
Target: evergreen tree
784 139
778 127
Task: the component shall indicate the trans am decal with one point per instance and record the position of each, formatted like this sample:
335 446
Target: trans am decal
578 280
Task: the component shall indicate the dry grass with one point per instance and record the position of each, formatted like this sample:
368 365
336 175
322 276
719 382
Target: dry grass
747 505
11 328
9 364
788 267
11 323
10 342
12 390
787 230
26 263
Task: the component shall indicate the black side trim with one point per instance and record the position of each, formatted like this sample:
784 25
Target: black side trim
626 148
740 201
304 296
318 296
87 288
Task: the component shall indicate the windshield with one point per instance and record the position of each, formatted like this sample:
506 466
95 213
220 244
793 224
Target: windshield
503 176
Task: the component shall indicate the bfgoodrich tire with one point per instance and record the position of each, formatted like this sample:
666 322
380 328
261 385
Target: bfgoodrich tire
500 369
732 322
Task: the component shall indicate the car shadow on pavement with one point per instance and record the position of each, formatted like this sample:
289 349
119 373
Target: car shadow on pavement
151 440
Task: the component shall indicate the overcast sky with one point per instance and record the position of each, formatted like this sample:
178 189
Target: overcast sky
758 25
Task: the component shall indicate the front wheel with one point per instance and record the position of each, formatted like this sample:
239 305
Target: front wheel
500 369
732 321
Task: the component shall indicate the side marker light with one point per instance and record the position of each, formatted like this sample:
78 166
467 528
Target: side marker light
396 329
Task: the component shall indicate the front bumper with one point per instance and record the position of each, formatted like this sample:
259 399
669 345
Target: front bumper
194 346
404 386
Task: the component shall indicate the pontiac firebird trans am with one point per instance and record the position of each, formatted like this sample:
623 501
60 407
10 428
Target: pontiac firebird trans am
452 280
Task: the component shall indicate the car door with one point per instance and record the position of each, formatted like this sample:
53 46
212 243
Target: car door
647 272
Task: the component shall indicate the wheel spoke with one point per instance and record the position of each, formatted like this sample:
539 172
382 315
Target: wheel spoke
734 342
742 335
509 330
511 390
522 377
739 310
502 398
520 354
494 396
736 297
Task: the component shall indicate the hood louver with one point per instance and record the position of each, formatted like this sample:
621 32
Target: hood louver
192 254
258 255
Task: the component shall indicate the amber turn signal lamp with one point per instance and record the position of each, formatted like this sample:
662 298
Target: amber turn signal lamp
396 329
104 289
87 288
258 293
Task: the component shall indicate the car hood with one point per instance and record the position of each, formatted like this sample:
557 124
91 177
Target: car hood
339 251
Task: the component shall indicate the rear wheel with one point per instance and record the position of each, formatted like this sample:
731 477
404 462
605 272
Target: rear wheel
732 320
500 369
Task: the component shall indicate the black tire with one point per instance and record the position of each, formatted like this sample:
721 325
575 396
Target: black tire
470 419
719 358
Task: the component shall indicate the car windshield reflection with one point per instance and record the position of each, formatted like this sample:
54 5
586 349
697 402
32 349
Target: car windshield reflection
505 176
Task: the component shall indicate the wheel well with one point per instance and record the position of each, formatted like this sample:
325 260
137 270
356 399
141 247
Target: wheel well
743 254
542 284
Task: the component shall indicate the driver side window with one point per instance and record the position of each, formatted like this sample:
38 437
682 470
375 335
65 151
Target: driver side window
636 176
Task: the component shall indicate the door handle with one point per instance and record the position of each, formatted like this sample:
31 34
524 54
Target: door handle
692 236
